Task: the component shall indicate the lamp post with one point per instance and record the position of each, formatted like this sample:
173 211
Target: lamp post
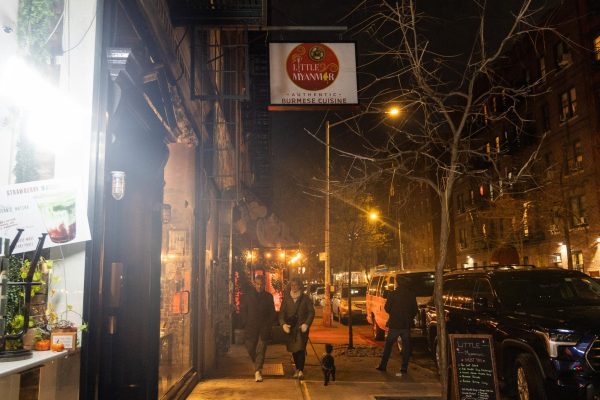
327 315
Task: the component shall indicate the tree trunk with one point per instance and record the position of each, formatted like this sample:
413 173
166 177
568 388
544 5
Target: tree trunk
438 293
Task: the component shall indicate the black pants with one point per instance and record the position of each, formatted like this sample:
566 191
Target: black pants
299 359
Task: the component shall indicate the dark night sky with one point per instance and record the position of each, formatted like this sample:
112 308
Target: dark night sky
297 157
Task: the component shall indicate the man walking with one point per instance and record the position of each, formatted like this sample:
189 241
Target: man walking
258 314
401 305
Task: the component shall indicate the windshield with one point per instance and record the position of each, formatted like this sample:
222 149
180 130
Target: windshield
420 282
356 291
552 290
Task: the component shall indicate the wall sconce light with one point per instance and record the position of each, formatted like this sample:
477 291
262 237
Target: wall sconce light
118 184
166 213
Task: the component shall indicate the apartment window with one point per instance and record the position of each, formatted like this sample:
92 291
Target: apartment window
472 196
486 114
577 258
497 144
462 237
545 118
525 220
568 104
597 48
577 210
488 149
562 55
542 68
574 156
460 201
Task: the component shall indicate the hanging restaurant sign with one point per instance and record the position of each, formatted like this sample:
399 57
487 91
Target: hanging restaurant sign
56 207
313 74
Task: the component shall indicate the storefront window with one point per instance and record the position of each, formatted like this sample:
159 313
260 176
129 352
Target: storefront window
177 213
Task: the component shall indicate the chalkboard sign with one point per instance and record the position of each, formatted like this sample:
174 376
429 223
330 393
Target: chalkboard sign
474 368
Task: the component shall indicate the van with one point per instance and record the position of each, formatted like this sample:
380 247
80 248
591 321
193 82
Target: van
381 282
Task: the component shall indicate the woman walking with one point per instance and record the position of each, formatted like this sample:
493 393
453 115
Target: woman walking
295 317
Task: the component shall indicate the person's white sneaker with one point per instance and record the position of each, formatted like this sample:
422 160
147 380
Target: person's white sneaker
258 376
300 375
296 373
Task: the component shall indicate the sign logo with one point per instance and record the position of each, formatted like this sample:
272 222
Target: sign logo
312 66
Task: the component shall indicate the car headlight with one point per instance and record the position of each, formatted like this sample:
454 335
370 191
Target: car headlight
559 338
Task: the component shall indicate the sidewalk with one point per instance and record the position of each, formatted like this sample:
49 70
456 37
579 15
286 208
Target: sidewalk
356 377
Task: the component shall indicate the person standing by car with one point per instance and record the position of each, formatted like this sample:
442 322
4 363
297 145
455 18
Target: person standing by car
295 317
258 314
401 305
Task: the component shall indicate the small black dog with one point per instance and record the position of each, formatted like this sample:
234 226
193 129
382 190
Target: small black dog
328 364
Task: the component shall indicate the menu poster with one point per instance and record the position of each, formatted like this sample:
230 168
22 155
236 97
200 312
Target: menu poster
473 368
56 207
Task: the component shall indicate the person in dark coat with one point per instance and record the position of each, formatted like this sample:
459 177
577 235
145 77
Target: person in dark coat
295 317
401 305
257 315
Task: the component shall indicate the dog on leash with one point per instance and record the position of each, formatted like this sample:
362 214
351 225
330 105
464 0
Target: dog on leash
328 365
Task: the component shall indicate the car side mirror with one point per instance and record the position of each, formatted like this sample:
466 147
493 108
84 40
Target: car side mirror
482 304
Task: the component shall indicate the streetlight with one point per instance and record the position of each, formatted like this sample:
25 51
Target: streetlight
393 111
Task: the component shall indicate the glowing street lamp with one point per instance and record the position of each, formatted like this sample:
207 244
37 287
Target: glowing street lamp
393 111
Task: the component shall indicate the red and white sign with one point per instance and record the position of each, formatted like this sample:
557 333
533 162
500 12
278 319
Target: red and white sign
313 74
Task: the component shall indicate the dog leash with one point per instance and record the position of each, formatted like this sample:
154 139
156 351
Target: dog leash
315 351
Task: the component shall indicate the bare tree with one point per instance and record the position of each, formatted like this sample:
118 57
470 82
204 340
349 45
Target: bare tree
451 94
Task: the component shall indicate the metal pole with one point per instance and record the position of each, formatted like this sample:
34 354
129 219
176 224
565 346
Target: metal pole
350 334
400 244
326 302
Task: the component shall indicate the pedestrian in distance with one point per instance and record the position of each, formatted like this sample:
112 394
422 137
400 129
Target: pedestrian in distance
328 365
295 317
258 315
401 305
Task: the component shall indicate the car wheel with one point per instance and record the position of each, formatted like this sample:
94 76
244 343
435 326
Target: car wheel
528 379
378 333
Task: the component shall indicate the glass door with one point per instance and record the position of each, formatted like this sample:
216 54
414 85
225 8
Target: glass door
176 345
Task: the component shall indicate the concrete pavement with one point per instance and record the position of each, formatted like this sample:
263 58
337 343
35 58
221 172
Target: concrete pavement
356 374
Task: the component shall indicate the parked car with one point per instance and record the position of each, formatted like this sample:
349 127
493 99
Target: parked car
420 281
545 324
318 295
339 303
312 288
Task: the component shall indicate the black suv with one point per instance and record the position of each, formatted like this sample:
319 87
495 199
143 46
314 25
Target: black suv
545 324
